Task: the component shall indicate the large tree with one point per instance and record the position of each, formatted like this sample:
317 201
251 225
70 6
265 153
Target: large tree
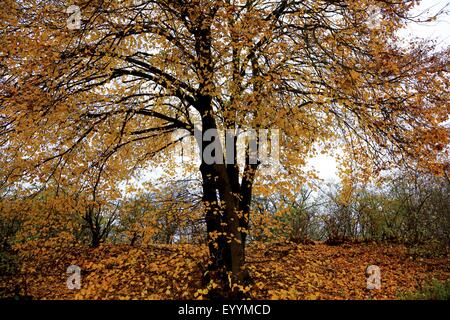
85 107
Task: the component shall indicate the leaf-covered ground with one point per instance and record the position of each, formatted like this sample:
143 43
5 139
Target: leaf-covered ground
279 271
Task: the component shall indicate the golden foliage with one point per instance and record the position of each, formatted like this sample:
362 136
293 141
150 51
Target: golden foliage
279 271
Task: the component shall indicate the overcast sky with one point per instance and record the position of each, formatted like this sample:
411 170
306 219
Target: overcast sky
438 30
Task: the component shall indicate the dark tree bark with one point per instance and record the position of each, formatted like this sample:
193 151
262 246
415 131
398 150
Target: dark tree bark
225 221
226 199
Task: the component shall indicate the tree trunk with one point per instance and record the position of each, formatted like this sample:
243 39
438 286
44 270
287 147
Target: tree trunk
225 240
95 240
226 201
224 221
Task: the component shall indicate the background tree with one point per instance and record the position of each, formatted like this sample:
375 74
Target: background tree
170 213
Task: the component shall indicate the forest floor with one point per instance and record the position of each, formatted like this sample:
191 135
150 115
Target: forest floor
279 271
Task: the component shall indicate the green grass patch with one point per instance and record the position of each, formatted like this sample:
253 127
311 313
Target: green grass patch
436 290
